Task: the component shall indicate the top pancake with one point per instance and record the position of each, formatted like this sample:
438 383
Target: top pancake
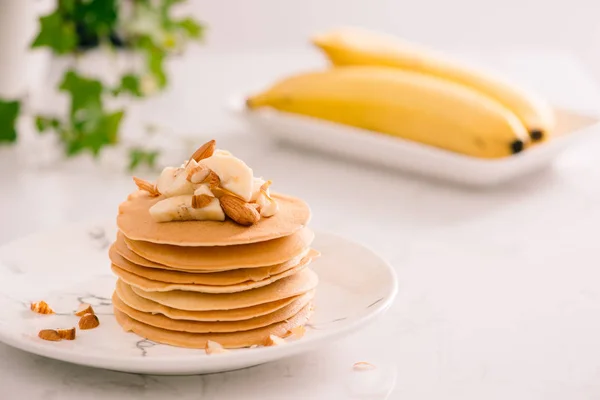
135 221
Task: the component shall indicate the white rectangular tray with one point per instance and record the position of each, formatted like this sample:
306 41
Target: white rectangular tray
401 154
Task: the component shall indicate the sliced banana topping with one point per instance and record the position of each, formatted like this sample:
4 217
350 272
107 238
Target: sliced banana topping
195 190
179 208
235 175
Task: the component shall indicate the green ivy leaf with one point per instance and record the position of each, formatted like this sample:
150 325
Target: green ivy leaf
110 126
43 123
130 83
155 60
191 27
95 18
9 111
103 130
139 156
86 94
91 127
56 33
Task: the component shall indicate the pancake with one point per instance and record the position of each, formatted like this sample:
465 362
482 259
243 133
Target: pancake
206 278
302 282
160 321
198 340
128 296
150 285
223 258
135 221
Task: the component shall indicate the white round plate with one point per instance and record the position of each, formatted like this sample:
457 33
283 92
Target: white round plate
70 266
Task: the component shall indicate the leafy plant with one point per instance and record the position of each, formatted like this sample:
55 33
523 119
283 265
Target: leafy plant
77 26
9 111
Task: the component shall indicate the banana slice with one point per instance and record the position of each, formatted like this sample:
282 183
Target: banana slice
173 182
256 184
179 208
235 175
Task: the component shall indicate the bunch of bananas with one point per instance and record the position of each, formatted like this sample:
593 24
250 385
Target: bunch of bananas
383 84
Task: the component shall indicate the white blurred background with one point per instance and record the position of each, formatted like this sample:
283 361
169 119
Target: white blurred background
560 25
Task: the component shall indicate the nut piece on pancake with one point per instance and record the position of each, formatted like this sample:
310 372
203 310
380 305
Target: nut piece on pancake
239 211
143 184
201 200
204 151
41 307
188 192
211 179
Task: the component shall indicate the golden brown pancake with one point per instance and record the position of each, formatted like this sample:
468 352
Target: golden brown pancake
150 285
198 340
223 258
160 321
215 278
135 221
128 296
302 282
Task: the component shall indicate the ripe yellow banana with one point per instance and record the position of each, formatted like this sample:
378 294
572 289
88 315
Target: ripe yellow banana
402 103
353 46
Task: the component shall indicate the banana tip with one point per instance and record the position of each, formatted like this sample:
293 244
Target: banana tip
536 135
517 146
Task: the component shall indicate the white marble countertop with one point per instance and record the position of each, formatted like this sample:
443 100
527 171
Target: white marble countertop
499 294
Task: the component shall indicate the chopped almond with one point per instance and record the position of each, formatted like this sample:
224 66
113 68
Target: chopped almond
67 334
41 307
239 211
275 340
212 179
88 321
363 366
143 184
204 151
298 331
214 348
198 173
49 334
266 185
83 309
201 200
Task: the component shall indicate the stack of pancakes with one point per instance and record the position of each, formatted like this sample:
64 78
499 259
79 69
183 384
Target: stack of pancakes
185 283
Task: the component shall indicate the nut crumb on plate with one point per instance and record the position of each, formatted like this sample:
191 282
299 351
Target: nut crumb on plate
298 331
83 309
363 366
67 334
214 348
49 334
88 321
41 307
274 340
